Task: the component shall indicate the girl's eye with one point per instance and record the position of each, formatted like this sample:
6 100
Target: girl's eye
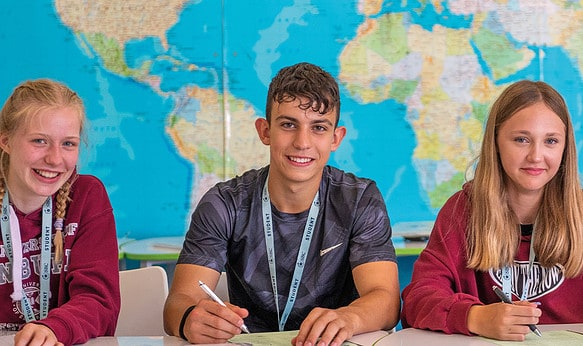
552 141
521 139
69 144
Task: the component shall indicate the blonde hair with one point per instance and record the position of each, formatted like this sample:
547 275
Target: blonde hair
493 233
26 102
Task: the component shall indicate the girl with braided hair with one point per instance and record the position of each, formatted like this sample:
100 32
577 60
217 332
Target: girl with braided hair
59 281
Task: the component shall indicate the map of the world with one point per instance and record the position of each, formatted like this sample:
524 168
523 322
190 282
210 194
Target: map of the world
172 87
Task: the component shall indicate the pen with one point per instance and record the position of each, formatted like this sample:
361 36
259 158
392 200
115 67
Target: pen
214 297
506 300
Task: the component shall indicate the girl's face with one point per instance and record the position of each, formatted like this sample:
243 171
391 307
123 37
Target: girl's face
531 145
42 156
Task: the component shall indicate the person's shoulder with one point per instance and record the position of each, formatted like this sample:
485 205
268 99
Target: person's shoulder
336 174
250 177
241 185
89 191
87 181
459 198
338 177
88 185
237 192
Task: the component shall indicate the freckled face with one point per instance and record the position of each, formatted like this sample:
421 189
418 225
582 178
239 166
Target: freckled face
531 145
43 155
300 142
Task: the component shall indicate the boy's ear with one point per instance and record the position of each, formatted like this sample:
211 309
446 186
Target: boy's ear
339 134
262 127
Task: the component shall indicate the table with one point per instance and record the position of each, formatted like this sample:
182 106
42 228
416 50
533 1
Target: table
408 248
367 339
8 340
414 337
410 237
152 251
120 255
138 340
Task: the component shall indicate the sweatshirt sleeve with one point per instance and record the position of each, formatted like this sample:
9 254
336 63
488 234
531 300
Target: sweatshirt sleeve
442 289
89 298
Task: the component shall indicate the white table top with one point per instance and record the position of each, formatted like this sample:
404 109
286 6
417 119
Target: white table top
367 339
405 337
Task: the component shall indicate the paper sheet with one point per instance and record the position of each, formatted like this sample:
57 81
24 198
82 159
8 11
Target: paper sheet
269 339
551 338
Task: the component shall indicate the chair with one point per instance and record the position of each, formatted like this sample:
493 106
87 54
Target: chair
222 290
143 294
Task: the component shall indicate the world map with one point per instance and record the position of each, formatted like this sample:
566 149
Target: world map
172 87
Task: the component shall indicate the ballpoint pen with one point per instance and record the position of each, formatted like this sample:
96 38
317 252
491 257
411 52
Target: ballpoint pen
507 300
218 300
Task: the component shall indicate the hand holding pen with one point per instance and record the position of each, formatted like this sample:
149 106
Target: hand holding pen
507 300
218 300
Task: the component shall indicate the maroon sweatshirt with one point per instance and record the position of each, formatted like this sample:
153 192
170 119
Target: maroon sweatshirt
442 289
85 299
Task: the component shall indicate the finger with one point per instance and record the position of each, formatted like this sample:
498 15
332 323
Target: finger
218 312
324 329
334 334
311 328
238 310
28 335
516 333
328 334
205 326
341 336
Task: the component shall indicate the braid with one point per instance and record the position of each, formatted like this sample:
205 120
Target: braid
61 210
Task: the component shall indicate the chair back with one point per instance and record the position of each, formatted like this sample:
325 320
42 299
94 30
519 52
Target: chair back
222 290
143 294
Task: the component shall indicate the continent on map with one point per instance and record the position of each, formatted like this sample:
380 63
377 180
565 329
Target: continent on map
448 77
214 132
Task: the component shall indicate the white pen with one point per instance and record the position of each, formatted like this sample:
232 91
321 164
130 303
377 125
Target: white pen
214 297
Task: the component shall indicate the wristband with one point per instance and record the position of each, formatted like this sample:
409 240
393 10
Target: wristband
183 321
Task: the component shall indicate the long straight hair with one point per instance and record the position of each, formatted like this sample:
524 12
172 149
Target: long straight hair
493 233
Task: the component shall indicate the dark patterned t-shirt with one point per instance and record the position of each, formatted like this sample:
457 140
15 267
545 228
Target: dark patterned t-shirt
226 233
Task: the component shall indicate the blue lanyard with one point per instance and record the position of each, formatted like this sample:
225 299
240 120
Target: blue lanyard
46 241
507 274
302 252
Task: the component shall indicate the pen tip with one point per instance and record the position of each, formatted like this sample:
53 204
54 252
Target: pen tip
200 282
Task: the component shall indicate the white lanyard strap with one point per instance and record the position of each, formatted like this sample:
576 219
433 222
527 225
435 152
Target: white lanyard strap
10 235
507 274
302 253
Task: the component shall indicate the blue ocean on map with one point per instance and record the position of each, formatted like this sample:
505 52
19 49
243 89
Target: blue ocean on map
236 48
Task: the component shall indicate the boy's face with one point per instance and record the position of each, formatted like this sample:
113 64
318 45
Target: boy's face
300 142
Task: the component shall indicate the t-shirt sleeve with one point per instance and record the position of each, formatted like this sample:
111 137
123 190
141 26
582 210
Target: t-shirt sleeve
371 236
205 242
